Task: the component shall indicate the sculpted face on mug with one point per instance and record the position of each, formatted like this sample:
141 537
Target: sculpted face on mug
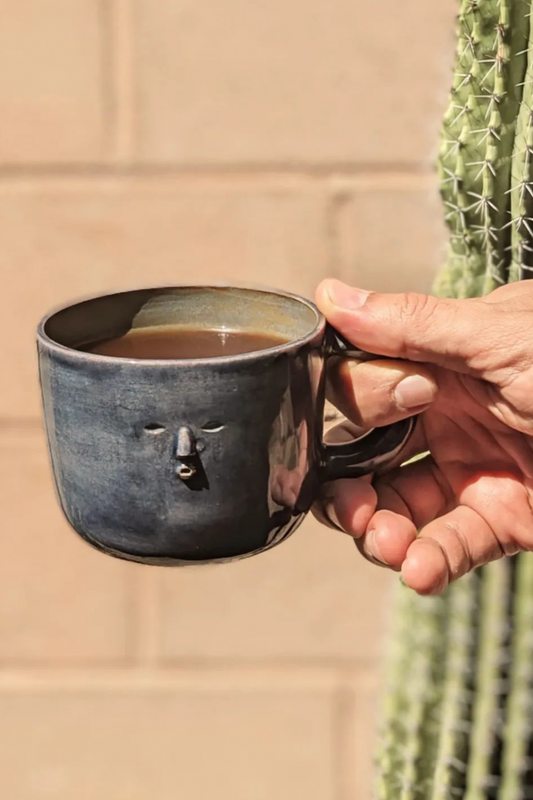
184 445
189 448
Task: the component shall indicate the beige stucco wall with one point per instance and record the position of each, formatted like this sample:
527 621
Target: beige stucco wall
148 141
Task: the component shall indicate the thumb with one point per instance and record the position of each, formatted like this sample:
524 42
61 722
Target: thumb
417 327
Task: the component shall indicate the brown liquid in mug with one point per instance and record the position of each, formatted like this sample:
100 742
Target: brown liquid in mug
169 342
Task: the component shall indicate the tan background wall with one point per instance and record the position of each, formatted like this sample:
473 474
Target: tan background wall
147 141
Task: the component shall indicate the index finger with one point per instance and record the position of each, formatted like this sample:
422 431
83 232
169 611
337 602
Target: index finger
376 393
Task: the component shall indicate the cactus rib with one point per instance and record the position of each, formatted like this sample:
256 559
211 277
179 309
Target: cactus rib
451 764
518 727
410 719
492 659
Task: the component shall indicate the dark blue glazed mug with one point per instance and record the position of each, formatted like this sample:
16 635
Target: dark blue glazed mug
184 461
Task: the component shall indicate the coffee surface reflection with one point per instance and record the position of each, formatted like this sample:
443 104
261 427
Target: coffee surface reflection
170 342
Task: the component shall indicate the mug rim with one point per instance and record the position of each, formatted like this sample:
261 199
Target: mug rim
319 328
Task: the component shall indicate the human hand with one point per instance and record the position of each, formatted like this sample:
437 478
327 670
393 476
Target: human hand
471 498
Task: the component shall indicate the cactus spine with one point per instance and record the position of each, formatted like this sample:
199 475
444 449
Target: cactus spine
477 144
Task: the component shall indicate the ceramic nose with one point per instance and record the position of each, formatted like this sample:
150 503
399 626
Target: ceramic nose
185 451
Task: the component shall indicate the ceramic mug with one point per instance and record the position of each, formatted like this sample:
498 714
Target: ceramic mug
176 462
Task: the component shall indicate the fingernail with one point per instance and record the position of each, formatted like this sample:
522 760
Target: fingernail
373 550
346 297
414 391
331 515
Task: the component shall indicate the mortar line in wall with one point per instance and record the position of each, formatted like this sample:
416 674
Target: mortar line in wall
21 423
107 89
338 198
120 75
342 759
96 171
144 621
302 677
346 672
347 709
332 261
346 667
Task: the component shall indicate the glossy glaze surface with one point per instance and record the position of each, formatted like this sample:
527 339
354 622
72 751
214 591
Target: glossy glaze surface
252 426
197 460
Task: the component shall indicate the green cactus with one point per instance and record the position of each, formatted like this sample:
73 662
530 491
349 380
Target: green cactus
458 716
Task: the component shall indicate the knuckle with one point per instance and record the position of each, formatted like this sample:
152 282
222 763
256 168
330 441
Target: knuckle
458 554
414 306
505 353
416 312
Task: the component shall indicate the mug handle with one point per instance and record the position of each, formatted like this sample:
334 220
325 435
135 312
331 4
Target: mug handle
374 449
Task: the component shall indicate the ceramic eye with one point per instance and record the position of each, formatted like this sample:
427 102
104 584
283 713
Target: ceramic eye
154 428
212 427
